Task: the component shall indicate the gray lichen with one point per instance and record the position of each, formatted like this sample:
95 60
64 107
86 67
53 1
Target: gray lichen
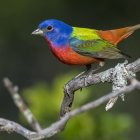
120 77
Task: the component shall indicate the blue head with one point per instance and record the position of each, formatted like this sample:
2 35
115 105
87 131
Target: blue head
55 31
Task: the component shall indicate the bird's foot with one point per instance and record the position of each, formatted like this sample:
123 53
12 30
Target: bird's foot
92 71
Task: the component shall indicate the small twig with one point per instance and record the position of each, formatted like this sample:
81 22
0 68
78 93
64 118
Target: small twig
10 126
13 90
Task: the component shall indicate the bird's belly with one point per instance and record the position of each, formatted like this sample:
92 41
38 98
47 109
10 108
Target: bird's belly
68 56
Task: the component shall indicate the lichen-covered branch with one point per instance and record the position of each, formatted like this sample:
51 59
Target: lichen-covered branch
111 75
118 76
10 126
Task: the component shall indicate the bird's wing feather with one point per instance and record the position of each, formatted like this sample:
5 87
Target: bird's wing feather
97 48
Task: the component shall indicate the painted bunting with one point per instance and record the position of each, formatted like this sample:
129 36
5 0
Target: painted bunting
83 46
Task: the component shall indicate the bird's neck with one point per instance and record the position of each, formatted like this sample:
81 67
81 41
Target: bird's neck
58 41
56 45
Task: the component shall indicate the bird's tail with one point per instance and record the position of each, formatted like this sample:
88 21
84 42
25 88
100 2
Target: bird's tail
133 28
117 35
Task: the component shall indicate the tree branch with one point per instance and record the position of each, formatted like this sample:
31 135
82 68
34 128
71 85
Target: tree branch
10 126
127 72
119 74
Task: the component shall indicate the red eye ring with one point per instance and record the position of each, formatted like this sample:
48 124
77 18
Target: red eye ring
49 28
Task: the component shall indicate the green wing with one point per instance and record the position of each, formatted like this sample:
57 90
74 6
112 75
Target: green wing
93 46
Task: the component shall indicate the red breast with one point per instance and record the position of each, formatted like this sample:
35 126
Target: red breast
68 56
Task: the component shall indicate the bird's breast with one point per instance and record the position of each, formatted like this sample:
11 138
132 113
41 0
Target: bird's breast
66 55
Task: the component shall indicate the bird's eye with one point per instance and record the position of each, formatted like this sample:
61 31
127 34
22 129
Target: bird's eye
49 28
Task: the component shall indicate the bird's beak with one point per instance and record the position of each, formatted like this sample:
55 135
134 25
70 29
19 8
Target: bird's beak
37 32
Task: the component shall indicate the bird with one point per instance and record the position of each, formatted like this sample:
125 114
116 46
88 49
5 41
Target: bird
83 46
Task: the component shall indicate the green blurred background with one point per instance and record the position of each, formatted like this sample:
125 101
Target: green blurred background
27 61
